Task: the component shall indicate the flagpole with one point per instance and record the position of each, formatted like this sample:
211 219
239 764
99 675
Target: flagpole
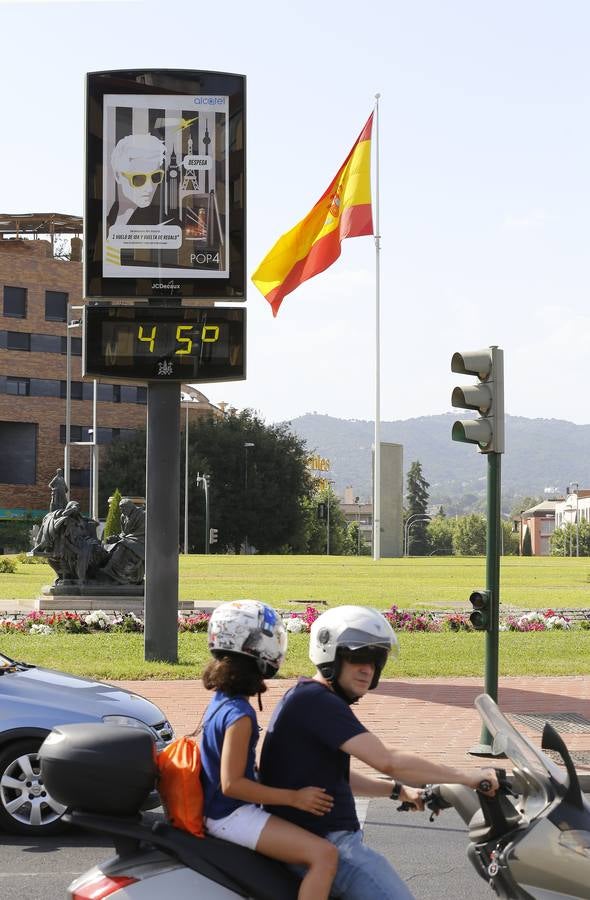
377 452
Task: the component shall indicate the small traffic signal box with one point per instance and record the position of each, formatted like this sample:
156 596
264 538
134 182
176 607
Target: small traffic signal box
481 617
486 396
213 535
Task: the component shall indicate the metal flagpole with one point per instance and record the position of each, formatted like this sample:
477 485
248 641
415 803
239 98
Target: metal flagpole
377 452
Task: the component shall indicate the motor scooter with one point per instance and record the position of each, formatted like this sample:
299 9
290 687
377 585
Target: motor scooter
531 841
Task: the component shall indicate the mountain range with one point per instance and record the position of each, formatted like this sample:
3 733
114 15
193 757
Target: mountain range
542 457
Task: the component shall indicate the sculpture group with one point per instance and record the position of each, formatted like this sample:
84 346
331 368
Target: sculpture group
69 542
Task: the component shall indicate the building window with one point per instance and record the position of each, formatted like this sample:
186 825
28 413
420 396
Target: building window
18 340
18 452
56 306
15 302
141 395
80 477
44 387
75 433
76 390
76 346
45 343
19 386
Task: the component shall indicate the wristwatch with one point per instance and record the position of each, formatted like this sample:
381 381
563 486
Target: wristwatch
396 790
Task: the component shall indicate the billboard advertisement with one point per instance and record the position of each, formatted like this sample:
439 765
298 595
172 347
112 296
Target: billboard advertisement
165 204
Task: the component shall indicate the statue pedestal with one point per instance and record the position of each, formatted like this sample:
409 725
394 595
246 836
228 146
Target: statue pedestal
88 597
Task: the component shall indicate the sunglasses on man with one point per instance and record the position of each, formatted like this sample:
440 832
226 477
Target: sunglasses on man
138 179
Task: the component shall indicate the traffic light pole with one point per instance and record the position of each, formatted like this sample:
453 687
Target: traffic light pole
484 748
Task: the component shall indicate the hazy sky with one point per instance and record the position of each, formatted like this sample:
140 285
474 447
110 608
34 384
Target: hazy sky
484 179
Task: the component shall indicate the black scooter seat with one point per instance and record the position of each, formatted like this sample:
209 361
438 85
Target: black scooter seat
243 871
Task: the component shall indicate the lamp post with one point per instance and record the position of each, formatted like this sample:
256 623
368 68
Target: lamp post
247 445
328 492
70 323
204 480
358 526
414 518
573 487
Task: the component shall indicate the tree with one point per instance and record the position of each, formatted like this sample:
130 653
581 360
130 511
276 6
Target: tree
527 544
469 536
440 535
521 504
343 540
417 505
112 525
510 542
255 492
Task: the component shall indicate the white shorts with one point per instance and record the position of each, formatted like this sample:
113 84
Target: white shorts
243 826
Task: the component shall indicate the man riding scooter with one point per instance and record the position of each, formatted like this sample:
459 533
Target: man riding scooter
314 730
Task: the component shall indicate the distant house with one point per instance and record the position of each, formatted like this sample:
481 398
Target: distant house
541 523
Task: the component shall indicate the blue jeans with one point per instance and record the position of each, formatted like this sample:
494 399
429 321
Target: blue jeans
363 873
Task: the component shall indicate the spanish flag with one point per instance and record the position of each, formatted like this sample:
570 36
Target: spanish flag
343 211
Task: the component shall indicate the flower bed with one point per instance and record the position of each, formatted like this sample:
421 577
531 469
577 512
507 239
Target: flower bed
42 623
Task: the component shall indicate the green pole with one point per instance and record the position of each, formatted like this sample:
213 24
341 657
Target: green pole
493 545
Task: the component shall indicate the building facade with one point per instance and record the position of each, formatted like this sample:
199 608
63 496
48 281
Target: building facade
38 291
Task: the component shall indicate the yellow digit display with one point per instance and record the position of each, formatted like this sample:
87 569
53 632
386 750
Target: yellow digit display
184 340
148 340
210 334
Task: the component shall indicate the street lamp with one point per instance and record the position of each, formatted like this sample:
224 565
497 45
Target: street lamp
358 526
573 487
204 480
410 521
247 445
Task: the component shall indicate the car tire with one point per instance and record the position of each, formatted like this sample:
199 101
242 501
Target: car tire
25 806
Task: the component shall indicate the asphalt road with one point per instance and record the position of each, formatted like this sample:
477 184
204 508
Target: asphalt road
431 857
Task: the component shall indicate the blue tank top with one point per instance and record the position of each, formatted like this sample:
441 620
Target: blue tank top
222 712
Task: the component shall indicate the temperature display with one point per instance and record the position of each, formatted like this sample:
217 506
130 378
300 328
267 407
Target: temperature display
148 342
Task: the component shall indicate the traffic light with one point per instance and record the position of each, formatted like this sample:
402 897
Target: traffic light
486 396
213 535
322 512
481 617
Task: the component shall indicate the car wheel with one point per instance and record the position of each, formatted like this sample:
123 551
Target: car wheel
25 805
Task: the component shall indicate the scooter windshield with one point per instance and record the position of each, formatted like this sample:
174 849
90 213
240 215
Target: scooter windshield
534 773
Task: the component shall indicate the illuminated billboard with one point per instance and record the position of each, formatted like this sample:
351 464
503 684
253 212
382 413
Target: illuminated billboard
165 200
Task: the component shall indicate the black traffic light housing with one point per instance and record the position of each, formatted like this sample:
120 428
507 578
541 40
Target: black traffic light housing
481 617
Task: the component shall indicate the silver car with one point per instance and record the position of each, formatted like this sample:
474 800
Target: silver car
32 702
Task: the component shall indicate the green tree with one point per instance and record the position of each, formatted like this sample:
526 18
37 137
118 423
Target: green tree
469 535
522 503
342 539
417 505
112 525
510 544
440 535
123 465
563 540
255 492
527 544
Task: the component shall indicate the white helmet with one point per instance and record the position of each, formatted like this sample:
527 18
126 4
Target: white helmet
250 628
351 628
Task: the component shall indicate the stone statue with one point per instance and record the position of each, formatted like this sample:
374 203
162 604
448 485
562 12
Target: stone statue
126 562
82 563
66 538
59 491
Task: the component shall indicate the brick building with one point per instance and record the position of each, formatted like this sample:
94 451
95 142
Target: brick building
37 288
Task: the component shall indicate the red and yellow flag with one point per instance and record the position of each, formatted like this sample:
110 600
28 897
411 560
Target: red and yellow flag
343 211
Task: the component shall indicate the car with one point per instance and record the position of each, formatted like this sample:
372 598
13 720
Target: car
33 701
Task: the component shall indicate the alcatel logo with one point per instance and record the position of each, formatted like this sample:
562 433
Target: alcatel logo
209 101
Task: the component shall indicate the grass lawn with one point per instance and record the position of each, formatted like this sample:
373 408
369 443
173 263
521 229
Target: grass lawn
419 582
120 656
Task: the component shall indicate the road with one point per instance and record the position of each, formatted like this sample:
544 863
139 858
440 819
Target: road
431 857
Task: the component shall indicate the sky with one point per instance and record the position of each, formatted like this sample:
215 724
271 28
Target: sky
483 180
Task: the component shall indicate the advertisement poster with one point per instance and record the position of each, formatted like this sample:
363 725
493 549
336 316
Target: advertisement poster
165 192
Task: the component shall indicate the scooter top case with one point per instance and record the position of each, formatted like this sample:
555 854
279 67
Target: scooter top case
107 769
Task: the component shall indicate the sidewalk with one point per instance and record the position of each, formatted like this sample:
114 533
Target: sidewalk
435 718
